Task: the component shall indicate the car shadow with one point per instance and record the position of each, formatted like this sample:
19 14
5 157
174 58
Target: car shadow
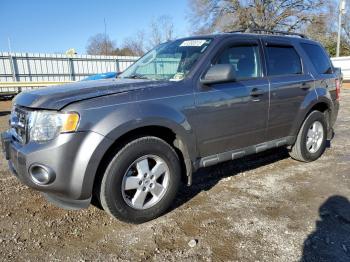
331 239
5 113
206 178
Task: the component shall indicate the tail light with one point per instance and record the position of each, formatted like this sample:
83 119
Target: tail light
337 88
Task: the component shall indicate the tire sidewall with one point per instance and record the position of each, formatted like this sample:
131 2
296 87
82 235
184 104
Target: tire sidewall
313 117
111 190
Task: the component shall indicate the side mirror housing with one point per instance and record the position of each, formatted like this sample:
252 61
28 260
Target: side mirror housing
219 73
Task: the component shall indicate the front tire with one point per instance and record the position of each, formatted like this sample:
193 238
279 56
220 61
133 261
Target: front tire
311 140
141 181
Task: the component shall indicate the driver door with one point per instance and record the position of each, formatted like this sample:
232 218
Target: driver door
233 115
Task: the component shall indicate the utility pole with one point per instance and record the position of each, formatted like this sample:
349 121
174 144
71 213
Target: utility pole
9 44
105 46
341 12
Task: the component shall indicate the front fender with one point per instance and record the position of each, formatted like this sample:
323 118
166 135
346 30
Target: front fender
123 119
136 115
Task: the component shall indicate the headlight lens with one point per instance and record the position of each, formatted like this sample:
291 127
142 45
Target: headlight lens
47 125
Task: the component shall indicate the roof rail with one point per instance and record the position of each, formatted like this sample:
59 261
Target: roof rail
267 31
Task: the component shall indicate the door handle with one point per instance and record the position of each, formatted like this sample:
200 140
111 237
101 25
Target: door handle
256 92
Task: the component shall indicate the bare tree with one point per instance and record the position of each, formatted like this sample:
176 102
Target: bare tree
101 44
345 32
226 15
322 25
168 27
346 21
136 44
323 28
161 30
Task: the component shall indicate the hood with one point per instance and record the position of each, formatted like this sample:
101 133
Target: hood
57 97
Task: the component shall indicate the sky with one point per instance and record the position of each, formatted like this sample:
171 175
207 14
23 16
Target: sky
54 26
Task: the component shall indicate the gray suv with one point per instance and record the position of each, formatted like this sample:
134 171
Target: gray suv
127 143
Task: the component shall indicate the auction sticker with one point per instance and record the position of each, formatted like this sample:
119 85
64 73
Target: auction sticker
196 42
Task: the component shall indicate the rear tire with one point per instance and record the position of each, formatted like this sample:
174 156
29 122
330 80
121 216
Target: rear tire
141 181
311 140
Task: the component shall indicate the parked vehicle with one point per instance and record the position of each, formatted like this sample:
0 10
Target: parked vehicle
8 95
101 76
190 103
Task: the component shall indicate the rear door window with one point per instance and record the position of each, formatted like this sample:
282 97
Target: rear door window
318 58
283 60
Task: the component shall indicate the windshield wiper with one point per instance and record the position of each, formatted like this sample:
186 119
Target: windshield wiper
137 76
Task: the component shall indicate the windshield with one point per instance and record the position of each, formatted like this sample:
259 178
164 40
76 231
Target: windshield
169 61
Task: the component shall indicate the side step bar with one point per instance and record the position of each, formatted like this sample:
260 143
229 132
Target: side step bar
238 153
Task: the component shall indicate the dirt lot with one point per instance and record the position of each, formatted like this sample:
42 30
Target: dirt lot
266 207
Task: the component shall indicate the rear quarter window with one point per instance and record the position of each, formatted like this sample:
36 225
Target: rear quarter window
283 60
318 57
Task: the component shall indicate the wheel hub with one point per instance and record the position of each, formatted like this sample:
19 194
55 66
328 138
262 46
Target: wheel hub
145 182
314 137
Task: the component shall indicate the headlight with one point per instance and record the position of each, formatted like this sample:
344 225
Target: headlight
47 125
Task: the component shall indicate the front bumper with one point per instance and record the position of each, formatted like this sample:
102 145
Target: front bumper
73 157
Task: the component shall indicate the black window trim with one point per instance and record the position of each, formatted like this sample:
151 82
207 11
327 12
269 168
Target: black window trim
281 44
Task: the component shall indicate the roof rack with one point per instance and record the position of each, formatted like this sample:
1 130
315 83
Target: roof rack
267 31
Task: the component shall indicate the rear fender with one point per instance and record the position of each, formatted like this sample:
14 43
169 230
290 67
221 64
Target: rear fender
314 97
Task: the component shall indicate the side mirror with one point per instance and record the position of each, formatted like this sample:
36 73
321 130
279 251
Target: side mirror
219 73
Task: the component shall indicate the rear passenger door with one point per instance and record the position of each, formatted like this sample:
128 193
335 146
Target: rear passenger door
289 84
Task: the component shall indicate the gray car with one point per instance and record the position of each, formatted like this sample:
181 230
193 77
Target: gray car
128 143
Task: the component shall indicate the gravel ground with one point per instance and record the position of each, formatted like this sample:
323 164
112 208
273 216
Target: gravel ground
266 207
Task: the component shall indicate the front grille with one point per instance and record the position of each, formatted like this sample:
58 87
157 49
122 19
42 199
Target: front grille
18 123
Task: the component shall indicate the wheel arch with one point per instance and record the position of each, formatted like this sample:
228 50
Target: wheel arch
163 132
321 105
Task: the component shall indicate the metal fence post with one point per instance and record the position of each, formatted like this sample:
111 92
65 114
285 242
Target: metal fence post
155 66
14 71
71 69
117 65
13 68
29 69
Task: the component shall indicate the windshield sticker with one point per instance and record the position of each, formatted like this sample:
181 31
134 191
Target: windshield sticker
197 42
177 77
